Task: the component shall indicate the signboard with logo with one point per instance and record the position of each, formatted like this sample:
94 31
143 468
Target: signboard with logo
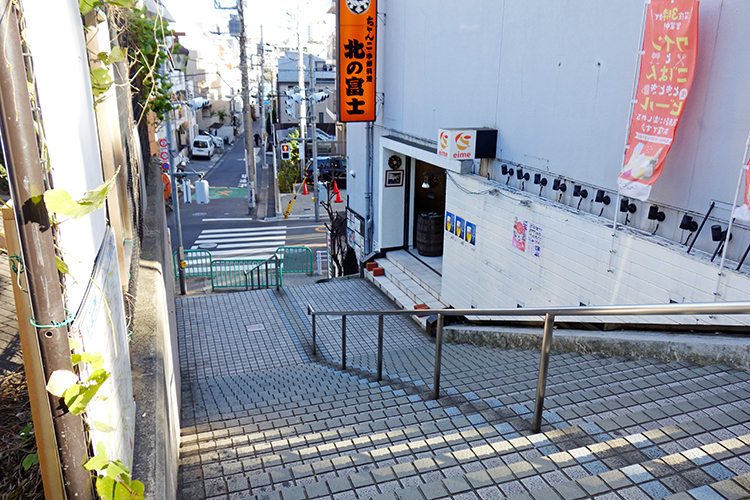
357 39
467 144
667 68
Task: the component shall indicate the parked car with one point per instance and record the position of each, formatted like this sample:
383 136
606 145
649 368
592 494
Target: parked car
218 142
329 169
203 146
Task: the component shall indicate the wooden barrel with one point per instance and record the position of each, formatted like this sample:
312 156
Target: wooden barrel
430 234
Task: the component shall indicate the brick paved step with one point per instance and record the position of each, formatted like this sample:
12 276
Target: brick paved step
737 487
532 462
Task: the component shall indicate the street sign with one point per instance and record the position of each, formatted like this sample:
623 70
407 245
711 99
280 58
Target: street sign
165 166
163 143
164 155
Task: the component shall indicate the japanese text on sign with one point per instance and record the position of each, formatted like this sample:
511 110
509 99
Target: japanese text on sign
667 68
357 26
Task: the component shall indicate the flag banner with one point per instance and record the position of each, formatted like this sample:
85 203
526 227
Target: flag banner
667 68
742 212
357 47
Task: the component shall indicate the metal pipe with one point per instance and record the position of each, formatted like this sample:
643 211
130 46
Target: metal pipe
313 334
343 342
245 279
700 228
438 357
380 348
38 247
541 384
697 308
44 430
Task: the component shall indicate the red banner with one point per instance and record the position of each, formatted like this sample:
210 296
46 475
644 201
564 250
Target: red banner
357 43
667 68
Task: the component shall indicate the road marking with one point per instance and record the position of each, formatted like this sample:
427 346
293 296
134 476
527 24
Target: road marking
229 219
245 229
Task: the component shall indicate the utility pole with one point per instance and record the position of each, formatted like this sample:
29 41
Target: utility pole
314 138
262 97
176 206
303 102
246 116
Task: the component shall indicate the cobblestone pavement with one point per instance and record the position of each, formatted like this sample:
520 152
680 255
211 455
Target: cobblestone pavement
263 418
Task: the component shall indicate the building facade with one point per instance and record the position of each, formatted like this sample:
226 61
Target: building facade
555 81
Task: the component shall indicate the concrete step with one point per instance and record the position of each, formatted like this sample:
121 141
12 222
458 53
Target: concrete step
568 453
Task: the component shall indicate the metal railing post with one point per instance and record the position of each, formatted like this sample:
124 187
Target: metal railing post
541 385
438 356
343 342
278 272
268 284
245 279
380 348
312 313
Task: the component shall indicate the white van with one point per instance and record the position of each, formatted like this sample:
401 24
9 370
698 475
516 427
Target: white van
203 146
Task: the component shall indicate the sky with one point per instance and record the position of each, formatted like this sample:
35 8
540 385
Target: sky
279 18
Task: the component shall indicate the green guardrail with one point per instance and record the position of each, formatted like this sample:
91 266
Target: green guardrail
197 264
248 274
295 260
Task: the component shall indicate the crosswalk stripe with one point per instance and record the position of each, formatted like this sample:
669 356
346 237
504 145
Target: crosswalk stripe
220 241
249 243
245 230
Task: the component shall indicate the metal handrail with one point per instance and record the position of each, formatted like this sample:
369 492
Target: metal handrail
264 264
549 313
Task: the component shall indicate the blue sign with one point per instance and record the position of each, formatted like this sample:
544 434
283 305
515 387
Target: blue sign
165 165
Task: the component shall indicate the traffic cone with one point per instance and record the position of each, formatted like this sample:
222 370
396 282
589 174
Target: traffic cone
335 187
304 188
338 198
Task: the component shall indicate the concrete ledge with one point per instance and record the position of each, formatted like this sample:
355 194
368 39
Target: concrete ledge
154 357
698 349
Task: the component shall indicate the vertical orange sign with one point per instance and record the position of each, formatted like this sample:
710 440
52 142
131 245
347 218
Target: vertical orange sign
357 47
667 68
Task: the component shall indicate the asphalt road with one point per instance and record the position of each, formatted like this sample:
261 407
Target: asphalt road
225 226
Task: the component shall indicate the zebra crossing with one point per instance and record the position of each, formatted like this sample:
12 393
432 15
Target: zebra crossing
241 243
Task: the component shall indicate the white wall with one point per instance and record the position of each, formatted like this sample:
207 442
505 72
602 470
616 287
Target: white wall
555 78
390 205
62 72
574 262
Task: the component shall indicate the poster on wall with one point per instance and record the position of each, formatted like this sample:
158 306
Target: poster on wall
667 69
471 233
535 240
357 48
449 222
460 227
519 234
100 327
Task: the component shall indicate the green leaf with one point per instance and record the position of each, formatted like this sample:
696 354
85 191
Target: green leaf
116 55
138 489
100 80
31 460
74 344
117 470
86 6
121 3
78 396
62 267
99 461
105 487
102 427
59 201
92 358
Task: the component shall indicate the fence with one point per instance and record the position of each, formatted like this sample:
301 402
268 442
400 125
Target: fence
295 260
250 274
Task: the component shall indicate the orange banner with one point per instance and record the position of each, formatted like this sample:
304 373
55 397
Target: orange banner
667 68
357 43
